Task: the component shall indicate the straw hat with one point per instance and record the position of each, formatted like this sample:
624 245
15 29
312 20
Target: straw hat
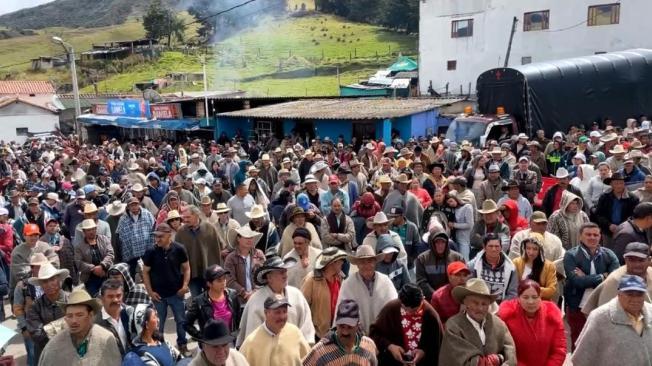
273 263
46 272
52 196
474 286
257 211
497 150
222 208
243 231
88 224
365 252
384 179
380 218
310 179
205 200
488 206
81 297
116 208
618 149
174 214
137 187
328 256
402 178
90 208
38 259
113 188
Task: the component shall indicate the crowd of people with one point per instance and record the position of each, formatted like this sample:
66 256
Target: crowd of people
286 251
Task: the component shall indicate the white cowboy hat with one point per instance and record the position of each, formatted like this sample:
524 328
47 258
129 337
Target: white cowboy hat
46 272
90 208
257 211
488 206
137 187
116 208
243 231
52 196
380 218
365 252
318 166
310 179
113 188
562 173
222 208
618 149
88 224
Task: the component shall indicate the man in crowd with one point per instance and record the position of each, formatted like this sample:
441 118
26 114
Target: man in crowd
614 207
115 316
135 231
633 229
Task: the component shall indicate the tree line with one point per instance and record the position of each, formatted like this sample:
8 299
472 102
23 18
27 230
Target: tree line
396 14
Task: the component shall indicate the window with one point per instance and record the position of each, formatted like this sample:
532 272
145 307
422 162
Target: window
604 14
526 60
451 65
20 131
462 28
536 20
600 52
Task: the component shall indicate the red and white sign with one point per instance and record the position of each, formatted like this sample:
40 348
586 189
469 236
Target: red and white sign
166 111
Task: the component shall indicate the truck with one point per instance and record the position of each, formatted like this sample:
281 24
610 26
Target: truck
554 95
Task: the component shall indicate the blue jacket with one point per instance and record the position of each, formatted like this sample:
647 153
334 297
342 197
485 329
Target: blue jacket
157 194
578 257
633 180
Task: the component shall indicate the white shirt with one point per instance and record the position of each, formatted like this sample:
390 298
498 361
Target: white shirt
479 327
117 325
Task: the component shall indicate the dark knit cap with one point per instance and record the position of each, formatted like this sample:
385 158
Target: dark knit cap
302 232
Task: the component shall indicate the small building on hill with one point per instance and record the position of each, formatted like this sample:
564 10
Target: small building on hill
47 63
359 117
24 116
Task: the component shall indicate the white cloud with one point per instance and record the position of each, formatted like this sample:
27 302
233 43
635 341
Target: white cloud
7 6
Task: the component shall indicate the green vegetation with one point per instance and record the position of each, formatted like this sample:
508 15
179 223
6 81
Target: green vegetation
297 56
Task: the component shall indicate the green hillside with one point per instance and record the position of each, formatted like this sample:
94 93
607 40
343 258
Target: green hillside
295 56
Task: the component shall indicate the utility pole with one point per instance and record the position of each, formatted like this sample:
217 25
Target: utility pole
203 61
75 86
511 39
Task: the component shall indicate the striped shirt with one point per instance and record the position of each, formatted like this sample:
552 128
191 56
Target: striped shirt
328 352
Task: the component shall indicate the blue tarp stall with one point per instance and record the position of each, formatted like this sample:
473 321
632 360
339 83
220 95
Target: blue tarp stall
138 122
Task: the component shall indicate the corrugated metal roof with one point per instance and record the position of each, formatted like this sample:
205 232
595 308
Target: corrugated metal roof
26 87
343 109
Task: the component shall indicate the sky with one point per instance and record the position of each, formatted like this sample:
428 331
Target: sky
7 6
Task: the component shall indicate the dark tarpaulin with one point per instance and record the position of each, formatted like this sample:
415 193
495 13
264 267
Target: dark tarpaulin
555 95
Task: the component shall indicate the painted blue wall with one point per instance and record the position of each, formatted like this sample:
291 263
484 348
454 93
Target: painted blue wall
334 128
404 126
424 123
230 125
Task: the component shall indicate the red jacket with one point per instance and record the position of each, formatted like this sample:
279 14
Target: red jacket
515 222
538 343
443 301
6 241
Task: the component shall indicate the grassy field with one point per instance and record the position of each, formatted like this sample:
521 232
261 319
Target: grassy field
295 56
291 56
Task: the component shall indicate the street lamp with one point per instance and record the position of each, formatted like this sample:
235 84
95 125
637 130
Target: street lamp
70 51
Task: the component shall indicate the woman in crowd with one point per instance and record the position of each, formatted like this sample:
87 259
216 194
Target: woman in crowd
218 302
422 194
297 219
476 174
533 265
171 202
438 207
567 220
513 219
149 347
536 326
174 220
243 262
463 224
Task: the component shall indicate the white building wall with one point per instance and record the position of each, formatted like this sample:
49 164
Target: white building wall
568 36
20 115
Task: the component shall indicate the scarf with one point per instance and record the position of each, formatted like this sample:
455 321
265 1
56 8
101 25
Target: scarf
412 327
332 223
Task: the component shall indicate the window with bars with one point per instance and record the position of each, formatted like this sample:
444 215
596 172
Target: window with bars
462 28
603 14
536 20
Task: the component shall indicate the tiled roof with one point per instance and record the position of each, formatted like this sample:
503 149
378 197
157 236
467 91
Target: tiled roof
26 87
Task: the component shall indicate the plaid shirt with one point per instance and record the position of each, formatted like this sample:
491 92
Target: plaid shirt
135 234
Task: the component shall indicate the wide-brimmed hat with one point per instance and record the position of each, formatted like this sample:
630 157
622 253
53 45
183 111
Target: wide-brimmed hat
222 208
137 187
174 214
113 188
273 263
402 178
474 286
205 200
215 333
614 176
133 166
116 208
310 179
38 259
618 149
257 211
488 206
380 218
52 196
364 252
384 179
90 208
296 212
510 184
243 231
88 224
328 256
81 297
608 137
562 173
318 166
46 272
498 150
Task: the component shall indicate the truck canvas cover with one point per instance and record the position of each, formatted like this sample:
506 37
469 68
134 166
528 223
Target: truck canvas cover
555 95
